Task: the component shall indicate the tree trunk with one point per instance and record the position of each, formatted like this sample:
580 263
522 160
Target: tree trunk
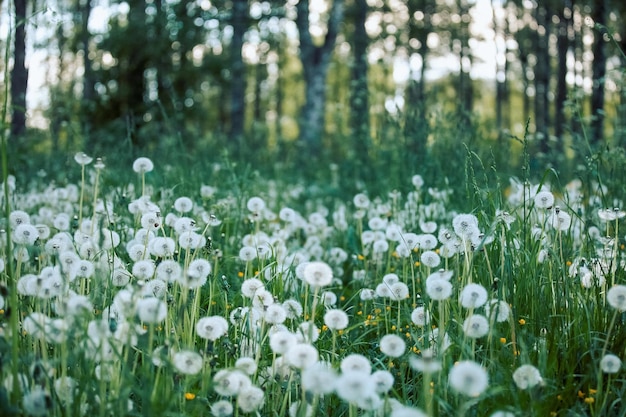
542 79
88 75
466 92
315 63
561 84
599 72
500 71
237 68
19 73
359 95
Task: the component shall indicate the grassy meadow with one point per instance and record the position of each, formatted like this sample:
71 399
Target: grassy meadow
169 289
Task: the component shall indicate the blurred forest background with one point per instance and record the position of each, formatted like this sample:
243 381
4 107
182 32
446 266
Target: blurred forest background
369 88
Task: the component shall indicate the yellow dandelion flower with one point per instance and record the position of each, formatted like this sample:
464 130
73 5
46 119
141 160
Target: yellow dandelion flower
503 340
360 257
521 322
240 274
590 400
190 396
592 391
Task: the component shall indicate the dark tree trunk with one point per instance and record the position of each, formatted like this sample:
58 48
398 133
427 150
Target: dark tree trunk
88 75
500 72
599 72
19 73
466 92
315 63
565 19
542 79
359 102
238 73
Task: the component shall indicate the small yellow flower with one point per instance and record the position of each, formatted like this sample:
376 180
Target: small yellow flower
342 298
407 335
240 274
360 257
503 340
417 263
1 311
522 322
415 350
581 394
324 328
553 414
590 400
559 397
388 308
359 313
393 328
395 254
339 332
568 263
592 391
190 396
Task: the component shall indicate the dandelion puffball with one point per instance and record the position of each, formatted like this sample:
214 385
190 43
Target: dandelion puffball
468 378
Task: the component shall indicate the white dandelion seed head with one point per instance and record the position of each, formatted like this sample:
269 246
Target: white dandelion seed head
468 378
352 386
222 408
476 326
250 399
142 165
282 341
151 310
187 362
527 376
356 363
211 328
302 355
544 200
499 308
610 364
420 316
473 296
438 289
319 378
430 259
336 319
318 274
616 297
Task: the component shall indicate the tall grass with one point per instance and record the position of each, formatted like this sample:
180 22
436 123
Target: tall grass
77 345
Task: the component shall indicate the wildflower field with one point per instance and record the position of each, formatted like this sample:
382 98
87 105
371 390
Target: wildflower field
270 298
